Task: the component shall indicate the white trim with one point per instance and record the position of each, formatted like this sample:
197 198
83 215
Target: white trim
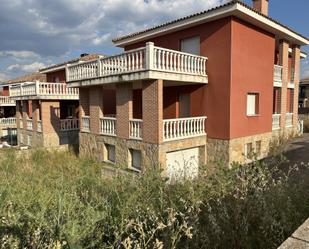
236 9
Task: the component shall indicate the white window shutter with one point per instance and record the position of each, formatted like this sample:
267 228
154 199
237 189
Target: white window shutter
251 104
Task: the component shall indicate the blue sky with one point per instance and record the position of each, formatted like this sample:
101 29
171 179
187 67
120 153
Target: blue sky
38 33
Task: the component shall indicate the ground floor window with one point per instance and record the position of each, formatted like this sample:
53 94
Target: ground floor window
110 153
135 159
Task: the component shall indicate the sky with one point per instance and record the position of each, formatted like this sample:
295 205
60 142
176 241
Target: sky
39 33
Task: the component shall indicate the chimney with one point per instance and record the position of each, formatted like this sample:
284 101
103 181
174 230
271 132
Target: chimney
261 6
83 55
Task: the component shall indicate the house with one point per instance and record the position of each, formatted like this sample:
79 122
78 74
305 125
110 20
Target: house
216 85
304 96
7 117
47 110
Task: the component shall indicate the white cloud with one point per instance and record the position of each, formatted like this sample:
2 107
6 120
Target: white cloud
28 68
3 77
19 54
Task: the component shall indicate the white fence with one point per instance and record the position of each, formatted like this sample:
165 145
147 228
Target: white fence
141 59
43 89
108 126
136 128
278 73
39 126
183 128
69 124
289 120
29 124
5 100
8 121
85 124
276 121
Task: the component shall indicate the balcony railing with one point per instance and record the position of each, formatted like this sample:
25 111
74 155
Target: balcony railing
29 124
289 120
5 100
54 90
85 124
278 74
108 126
183 128
69 124
39 126
8 121
136 128
141 59
276 121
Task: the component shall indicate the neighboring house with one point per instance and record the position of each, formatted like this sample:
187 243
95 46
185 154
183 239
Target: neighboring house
304 96
7 117
216 85
47 110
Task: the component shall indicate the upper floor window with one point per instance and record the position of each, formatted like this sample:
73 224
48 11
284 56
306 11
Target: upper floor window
191 45
56 79
252 104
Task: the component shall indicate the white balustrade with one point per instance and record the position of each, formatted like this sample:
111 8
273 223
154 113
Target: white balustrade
21 123
39 126
141 59
183 128
108 126
43 89
289 119
6 100
276 121
29 124
136 128
278 73
85 124
69 124
7 121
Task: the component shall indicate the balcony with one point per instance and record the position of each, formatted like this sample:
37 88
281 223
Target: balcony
173 129
148 62
8 122
276 121
278 75
42 90
69 125
6 101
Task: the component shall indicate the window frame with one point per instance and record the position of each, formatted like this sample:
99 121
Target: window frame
257 104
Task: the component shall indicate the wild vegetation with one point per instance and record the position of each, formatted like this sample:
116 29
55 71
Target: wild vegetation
55 200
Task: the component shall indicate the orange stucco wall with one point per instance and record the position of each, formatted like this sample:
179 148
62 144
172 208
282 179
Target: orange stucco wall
252 71
240 60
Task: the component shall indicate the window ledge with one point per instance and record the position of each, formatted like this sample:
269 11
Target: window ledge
253 115
134 169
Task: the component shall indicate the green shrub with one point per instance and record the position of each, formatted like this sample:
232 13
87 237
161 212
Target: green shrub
55 200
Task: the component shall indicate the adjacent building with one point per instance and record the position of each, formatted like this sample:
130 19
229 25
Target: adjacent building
216 85
46 109
304 95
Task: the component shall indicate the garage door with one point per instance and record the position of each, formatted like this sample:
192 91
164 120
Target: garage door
182 164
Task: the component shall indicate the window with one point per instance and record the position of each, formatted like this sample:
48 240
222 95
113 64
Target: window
135 159
258 148
71 111
248 150
191 45
110 153
252 104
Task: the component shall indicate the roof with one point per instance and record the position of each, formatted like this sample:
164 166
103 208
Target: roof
118 40
61 65
304 81
28 78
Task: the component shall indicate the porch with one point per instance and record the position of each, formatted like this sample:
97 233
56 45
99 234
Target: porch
126 111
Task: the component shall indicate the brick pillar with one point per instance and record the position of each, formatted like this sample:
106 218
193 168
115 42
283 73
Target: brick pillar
124 109
25 113
284 62
95 109
83 104
296 65
153 111
50 116
35 114
18 113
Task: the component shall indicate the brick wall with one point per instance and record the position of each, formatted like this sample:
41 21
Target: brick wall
96 108
153 111
296 64
124 109
50 116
